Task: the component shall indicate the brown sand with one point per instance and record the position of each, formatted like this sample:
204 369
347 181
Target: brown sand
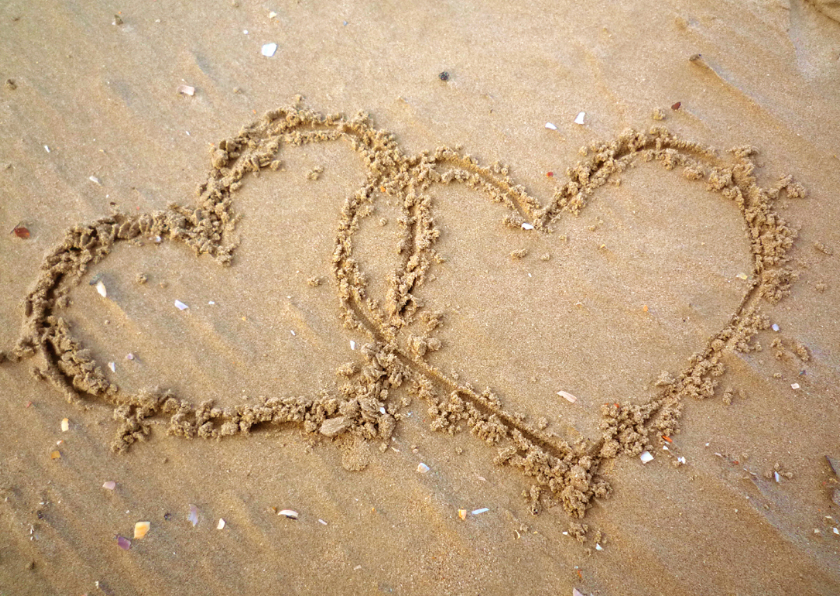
377 295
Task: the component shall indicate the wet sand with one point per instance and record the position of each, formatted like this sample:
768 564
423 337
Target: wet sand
351 279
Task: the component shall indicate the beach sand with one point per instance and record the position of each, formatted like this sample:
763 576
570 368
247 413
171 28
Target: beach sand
435 277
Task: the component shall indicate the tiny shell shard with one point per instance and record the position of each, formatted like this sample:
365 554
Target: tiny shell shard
100 287
193 516
288 513
141 529
21 232
109 485
221 524
123 542
567 396
65 425
186 90
646 457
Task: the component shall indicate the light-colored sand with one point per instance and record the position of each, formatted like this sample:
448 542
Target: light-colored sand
642 278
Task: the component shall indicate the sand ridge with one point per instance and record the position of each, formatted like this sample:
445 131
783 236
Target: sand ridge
401 330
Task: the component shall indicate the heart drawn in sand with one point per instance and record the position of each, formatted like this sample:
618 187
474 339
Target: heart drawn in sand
403 331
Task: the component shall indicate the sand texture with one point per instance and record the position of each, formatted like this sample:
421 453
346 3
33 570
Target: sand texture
456 299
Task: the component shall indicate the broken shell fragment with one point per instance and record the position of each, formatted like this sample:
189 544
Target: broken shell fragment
100 287
141 529
193 516
123 542
480 511
646 457
567 396
109 485
180 305
186 90
269 49
462 513
579 119
288 513
65 425
221 524
422 468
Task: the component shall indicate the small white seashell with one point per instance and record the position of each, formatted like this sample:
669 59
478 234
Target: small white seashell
186 90
221 524
382 410
100 287
109 485
794 386
681 460
320 521
181 305
550 126
65 425
269 49
777 477
567 396
47 148
775 327
835 530
422 468
193 516
579 119
527 226
272 14
292 332
352 345
646 457
95 180
211 303
480 511
288 513
112 366
599 547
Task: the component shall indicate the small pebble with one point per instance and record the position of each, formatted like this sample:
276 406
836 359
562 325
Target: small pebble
444 76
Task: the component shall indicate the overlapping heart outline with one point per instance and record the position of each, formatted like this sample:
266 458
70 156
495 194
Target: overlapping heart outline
400 329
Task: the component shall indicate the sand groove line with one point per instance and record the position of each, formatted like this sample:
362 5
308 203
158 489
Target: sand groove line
570 474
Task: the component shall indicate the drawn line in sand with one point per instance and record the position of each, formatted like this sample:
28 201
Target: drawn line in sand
400 329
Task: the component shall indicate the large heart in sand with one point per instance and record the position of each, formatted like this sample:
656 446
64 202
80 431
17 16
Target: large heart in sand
403 328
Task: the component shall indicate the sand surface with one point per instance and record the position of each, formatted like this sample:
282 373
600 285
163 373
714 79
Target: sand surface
367 293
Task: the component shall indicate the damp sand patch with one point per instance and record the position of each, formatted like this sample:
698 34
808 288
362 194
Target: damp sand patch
392 367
